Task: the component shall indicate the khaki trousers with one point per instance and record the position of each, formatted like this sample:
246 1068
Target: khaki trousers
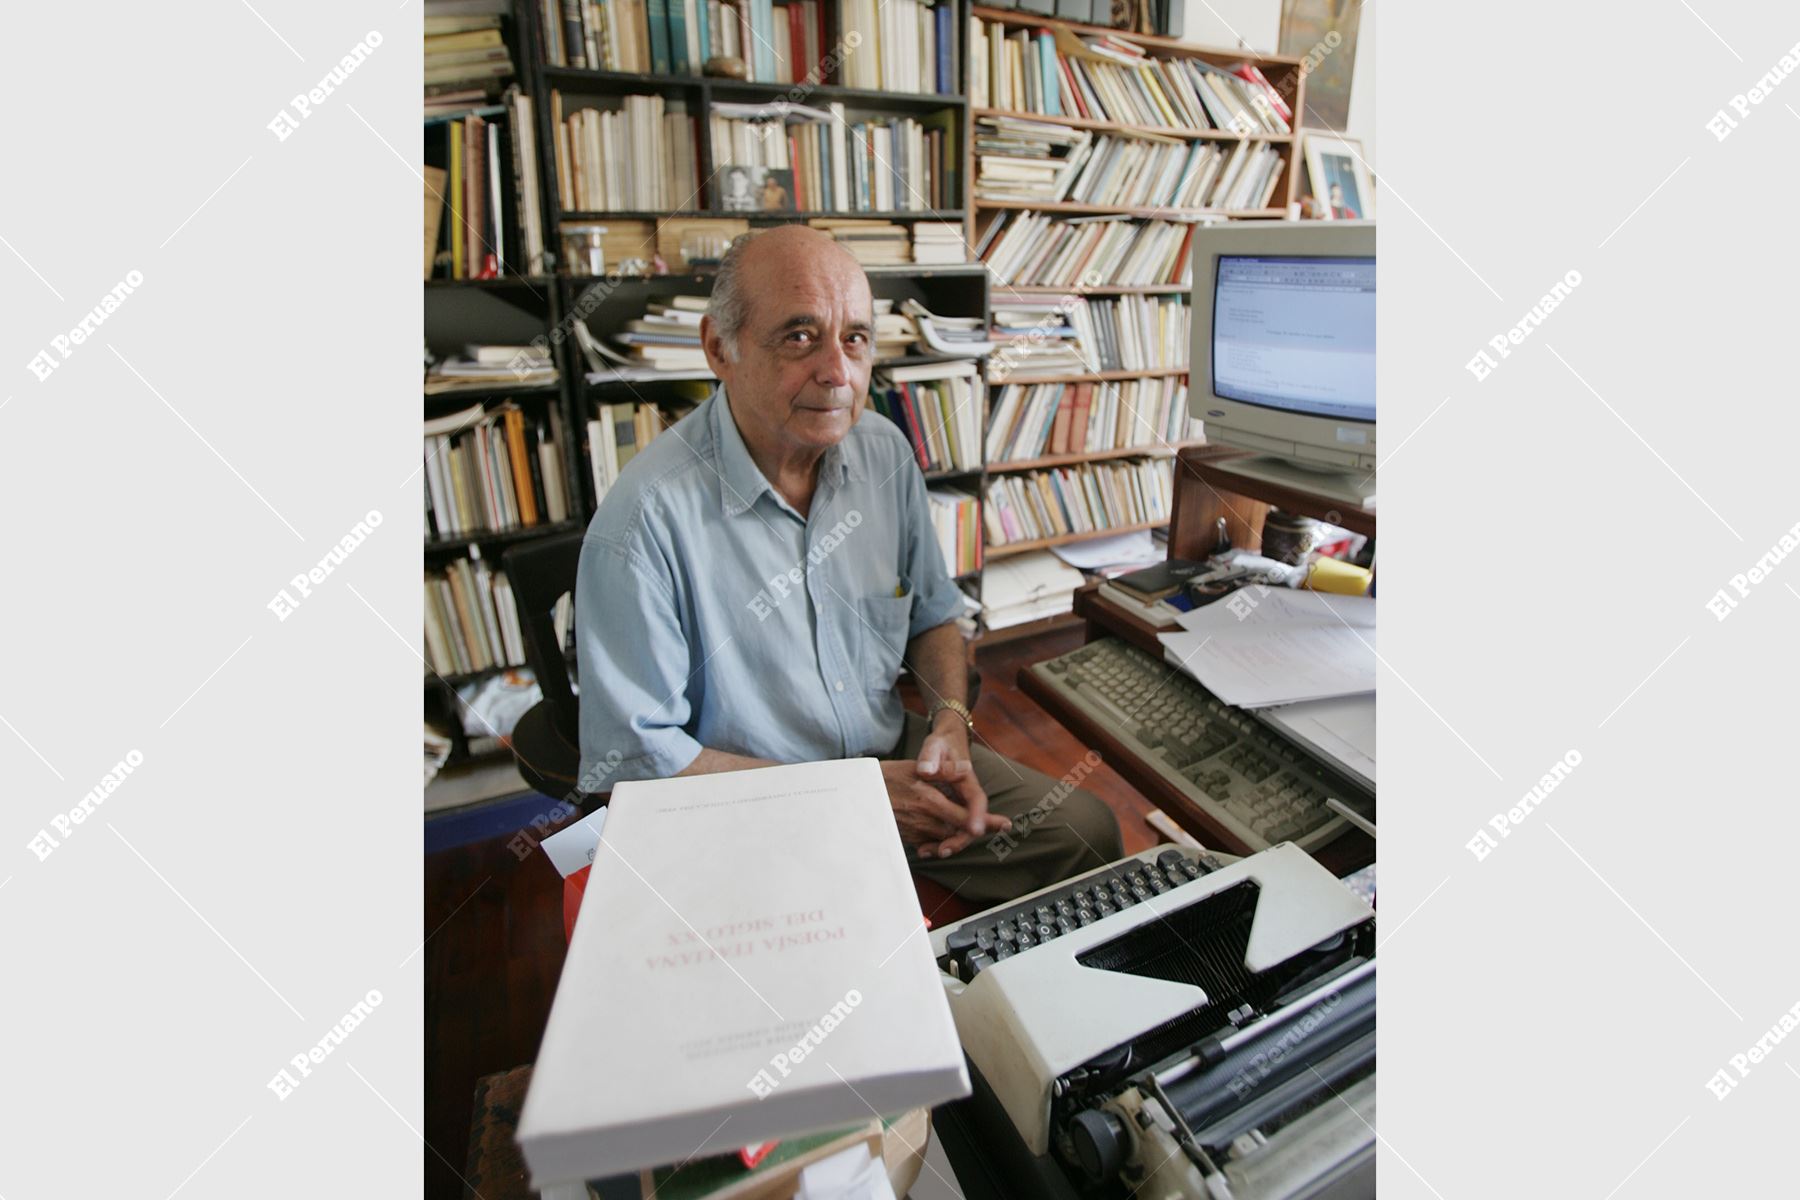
1058 829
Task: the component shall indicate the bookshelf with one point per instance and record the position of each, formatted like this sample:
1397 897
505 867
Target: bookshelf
1284 75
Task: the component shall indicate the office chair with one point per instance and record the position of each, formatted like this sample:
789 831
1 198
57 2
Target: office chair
547 740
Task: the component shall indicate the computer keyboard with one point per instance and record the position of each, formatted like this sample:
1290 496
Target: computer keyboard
1000 933
1239 772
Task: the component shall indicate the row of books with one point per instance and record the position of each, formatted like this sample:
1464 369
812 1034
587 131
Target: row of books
617 433
473 243
1082 499
1028 249
956 517
901 164
902 45
489 469
1042 336
471 619
466 62
1111 79
938 407
1041 163
641 157
1038 419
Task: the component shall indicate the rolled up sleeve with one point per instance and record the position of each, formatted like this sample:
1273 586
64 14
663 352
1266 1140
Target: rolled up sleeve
936 598
634 663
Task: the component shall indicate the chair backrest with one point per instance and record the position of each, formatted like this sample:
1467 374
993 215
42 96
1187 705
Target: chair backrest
541 573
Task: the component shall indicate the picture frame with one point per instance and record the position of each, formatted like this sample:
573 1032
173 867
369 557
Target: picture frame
756 189
1323 33
1334 161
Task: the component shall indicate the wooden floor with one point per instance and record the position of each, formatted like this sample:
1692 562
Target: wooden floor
492 964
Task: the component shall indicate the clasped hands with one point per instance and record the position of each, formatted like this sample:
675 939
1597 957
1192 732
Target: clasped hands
938 803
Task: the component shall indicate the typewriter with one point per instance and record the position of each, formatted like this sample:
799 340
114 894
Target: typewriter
1173 1026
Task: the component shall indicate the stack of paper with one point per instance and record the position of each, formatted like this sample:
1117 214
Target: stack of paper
749 963
1264 646
1017 590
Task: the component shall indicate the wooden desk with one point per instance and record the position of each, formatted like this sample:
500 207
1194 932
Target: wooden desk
1205 490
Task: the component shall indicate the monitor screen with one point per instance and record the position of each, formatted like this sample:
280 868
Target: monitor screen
1296 333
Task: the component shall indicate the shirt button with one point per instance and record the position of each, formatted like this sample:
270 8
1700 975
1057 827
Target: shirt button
840 685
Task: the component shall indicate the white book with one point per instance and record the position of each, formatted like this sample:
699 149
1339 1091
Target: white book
749 963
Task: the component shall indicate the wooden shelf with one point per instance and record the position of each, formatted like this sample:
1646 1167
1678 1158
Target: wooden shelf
1012 548
498 281
1150 41
1109 289
1172 131
583 81
953 215
1163 450
996 637
501 537
492 392
1107 210
1090 377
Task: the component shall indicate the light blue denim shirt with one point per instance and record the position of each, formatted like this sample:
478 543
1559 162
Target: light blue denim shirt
709 612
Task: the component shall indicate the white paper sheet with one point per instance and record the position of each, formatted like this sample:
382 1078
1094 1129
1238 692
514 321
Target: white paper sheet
1278 646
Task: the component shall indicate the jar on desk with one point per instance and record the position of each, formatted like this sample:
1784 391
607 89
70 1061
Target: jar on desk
584 247
1288 537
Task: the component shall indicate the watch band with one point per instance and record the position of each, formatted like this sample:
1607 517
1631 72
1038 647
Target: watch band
955 706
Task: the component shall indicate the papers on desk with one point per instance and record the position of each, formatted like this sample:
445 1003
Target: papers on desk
749 963
1266 646
1340 731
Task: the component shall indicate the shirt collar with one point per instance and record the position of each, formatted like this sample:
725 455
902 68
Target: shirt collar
743 480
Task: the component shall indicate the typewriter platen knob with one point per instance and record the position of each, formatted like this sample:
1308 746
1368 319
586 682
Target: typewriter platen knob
1099 1140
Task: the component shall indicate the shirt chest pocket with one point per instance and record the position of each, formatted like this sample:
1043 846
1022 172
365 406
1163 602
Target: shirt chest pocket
886 621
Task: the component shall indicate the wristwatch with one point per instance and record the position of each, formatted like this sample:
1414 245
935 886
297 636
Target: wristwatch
955 706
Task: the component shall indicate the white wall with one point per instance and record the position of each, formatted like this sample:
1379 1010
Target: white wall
1256 25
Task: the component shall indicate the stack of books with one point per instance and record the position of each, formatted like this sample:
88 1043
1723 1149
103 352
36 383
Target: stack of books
1031 161
957 518
1035 420
465 62
938 242
1028 249
895 333
471 619
906 46
822 162
1075 500
618 432
490 469
667 336
641 158
1039 337
937 407
873 243
1112 79
487 367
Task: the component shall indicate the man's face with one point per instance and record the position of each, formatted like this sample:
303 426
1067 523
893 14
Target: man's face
801 376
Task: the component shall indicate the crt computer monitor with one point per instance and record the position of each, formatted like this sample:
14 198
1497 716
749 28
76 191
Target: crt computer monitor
1283 346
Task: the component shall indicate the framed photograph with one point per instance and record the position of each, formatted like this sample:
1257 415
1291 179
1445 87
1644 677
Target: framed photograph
1323 34
1339 177
756 189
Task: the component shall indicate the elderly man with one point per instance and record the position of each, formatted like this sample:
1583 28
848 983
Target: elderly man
760 574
